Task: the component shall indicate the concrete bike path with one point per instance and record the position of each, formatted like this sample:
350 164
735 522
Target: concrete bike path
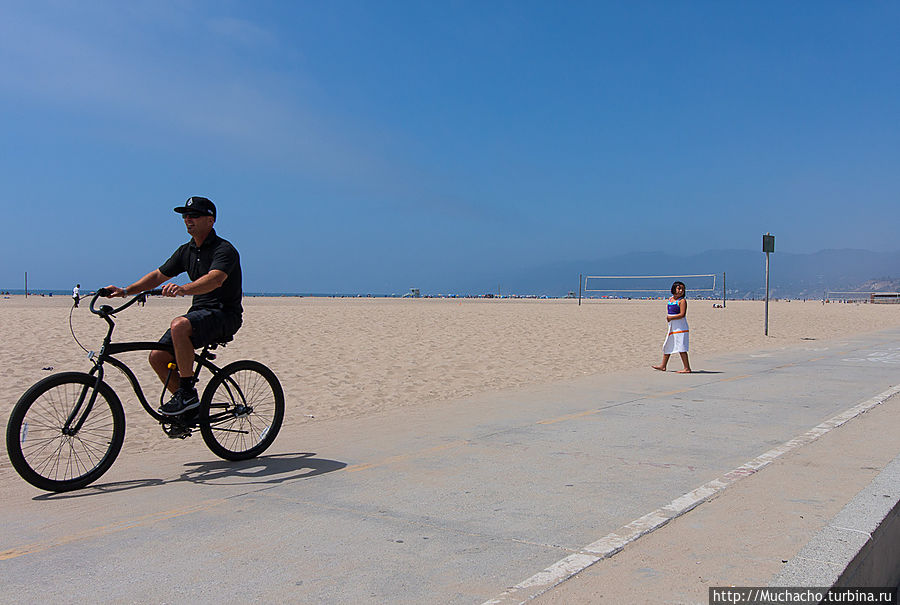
452 503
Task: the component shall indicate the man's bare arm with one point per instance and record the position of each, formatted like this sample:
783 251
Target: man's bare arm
201 285
148 282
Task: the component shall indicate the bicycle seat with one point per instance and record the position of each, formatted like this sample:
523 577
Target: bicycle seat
221 342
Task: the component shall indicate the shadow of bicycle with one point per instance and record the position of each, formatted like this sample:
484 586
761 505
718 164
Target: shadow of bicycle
98 489
263 470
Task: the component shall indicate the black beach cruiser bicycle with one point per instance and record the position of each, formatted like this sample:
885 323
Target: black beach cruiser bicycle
68 428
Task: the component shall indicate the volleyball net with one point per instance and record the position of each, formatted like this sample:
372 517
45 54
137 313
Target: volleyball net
636 285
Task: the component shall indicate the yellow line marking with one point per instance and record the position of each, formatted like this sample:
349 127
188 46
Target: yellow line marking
94 532
354 468
787 365
569 417
667 393
735 378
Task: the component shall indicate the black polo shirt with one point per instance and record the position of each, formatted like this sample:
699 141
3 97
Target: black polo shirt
215 253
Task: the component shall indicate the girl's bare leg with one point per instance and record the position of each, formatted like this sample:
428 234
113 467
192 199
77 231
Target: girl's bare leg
687 364
662 367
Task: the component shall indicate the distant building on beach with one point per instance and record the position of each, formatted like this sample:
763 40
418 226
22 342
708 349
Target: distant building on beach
885 298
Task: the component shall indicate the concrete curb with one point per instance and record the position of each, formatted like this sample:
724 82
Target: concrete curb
858 548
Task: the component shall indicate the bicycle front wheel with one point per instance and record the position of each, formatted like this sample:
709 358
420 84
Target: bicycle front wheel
55 457
241 411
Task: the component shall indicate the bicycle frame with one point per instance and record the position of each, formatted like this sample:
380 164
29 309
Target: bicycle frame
202 360
107 354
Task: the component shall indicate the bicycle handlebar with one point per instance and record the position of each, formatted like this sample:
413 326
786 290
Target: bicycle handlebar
106 310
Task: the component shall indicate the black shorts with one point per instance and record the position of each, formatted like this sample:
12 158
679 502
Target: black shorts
208 326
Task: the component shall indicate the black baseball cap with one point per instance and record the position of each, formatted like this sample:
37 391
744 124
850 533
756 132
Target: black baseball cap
198 205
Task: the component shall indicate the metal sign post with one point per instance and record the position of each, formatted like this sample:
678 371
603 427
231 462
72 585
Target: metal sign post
768 246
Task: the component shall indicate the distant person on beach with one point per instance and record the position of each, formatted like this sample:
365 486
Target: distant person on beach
214 268
677 338
75 293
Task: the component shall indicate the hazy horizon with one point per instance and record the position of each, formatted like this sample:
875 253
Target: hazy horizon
792 275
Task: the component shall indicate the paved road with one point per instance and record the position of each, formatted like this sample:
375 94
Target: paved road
449 503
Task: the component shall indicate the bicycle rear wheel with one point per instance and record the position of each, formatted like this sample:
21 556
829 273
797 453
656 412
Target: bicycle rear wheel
241 411
52 458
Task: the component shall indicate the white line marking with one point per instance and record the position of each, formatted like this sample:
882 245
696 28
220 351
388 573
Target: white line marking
613 543
891 356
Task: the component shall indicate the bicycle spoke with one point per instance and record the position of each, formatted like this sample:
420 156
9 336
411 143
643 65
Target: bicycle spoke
248 402
44 453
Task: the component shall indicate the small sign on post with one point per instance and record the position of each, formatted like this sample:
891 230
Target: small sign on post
768 247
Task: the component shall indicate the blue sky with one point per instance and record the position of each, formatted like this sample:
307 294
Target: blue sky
374 146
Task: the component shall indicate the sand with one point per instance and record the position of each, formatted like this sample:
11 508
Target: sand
346 357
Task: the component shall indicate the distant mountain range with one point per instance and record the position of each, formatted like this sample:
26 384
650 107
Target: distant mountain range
790 275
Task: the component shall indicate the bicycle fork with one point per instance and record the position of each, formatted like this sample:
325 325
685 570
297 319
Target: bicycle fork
67 428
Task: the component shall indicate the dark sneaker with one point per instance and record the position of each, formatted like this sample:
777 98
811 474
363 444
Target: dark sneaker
180 402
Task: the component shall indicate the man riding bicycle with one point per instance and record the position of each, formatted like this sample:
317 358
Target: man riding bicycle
214 268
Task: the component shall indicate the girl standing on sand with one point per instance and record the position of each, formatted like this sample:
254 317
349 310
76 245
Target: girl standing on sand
677 338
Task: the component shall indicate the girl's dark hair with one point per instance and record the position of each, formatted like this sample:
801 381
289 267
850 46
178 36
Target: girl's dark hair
679 283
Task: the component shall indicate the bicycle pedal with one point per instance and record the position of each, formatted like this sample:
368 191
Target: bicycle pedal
176 432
